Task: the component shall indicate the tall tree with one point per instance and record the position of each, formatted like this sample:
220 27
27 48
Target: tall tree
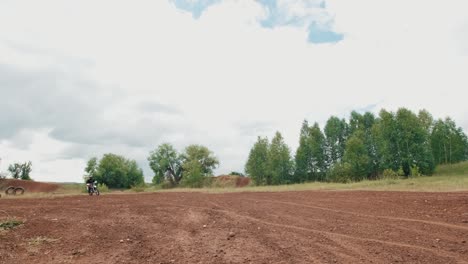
198 163
336 135
413 143
257 163
201 154
317 163
303 155
357 156
279 161
162 158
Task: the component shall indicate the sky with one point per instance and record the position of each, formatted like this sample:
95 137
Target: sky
79 79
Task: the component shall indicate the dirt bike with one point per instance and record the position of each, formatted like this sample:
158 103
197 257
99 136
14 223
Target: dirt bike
92 188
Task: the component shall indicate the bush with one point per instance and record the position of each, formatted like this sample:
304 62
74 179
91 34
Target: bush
414 171
341 172
167 185
390 174
102 187
139 187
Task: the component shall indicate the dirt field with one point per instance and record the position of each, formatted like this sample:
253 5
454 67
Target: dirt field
294 227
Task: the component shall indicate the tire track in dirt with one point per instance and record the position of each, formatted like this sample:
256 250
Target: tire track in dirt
365 215
233 214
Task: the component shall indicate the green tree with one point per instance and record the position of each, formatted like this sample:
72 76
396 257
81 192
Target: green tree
303 155
198 163
317 164
164 157
336 134
91 167
193 174
21 171
449 144
201 154
257 162
115 171
279 161
357 156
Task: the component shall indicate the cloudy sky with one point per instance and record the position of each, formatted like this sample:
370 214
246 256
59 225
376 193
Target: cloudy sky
83 78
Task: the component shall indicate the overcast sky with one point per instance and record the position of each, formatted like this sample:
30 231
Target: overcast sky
82 78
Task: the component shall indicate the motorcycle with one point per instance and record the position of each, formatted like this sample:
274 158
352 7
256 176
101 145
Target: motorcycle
92 189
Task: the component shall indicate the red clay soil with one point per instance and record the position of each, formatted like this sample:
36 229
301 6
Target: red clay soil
293 227
29 186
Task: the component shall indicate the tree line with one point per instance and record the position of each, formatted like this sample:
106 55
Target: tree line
170 167
364 147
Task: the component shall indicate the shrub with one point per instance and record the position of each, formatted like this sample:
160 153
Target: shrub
167 185
414 171
390 174
102 187
341 172
139 187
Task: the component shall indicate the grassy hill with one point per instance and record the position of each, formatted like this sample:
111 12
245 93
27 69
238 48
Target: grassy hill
447 178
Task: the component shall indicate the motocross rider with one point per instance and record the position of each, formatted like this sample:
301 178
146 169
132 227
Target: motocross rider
91 181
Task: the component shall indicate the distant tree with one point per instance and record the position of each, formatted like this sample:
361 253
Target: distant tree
357 156
197 163
449 143
426 120
91 167
279 161
336 135
116 171
193 174
235 173
303 157
164 157
257 163
21 171
201 154
317 147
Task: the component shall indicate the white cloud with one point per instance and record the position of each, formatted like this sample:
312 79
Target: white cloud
223 73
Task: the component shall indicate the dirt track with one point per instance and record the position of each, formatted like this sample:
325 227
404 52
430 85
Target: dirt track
295 227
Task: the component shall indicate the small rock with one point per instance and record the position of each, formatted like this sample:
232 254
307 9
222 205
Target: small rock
437 240
232 234
128 239
204 226
121 241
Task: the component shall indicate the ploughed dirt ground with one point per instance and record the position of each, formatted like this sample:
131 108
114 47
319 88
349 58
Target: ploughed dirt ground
292 227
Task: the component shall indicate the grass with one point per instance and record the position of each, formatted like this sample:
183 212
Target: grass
10 224
447 178
34 244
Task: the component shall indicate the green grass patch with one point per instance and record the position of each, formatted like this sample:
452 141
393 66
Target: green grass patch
452 169
447 178
10 224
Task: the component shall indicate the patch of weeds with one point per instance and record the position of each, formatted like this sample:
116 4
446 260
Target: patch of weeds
10 224
35 243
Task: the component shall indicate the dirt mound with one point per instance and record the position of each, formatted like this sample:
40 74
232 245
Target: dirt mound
231 181
29 186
